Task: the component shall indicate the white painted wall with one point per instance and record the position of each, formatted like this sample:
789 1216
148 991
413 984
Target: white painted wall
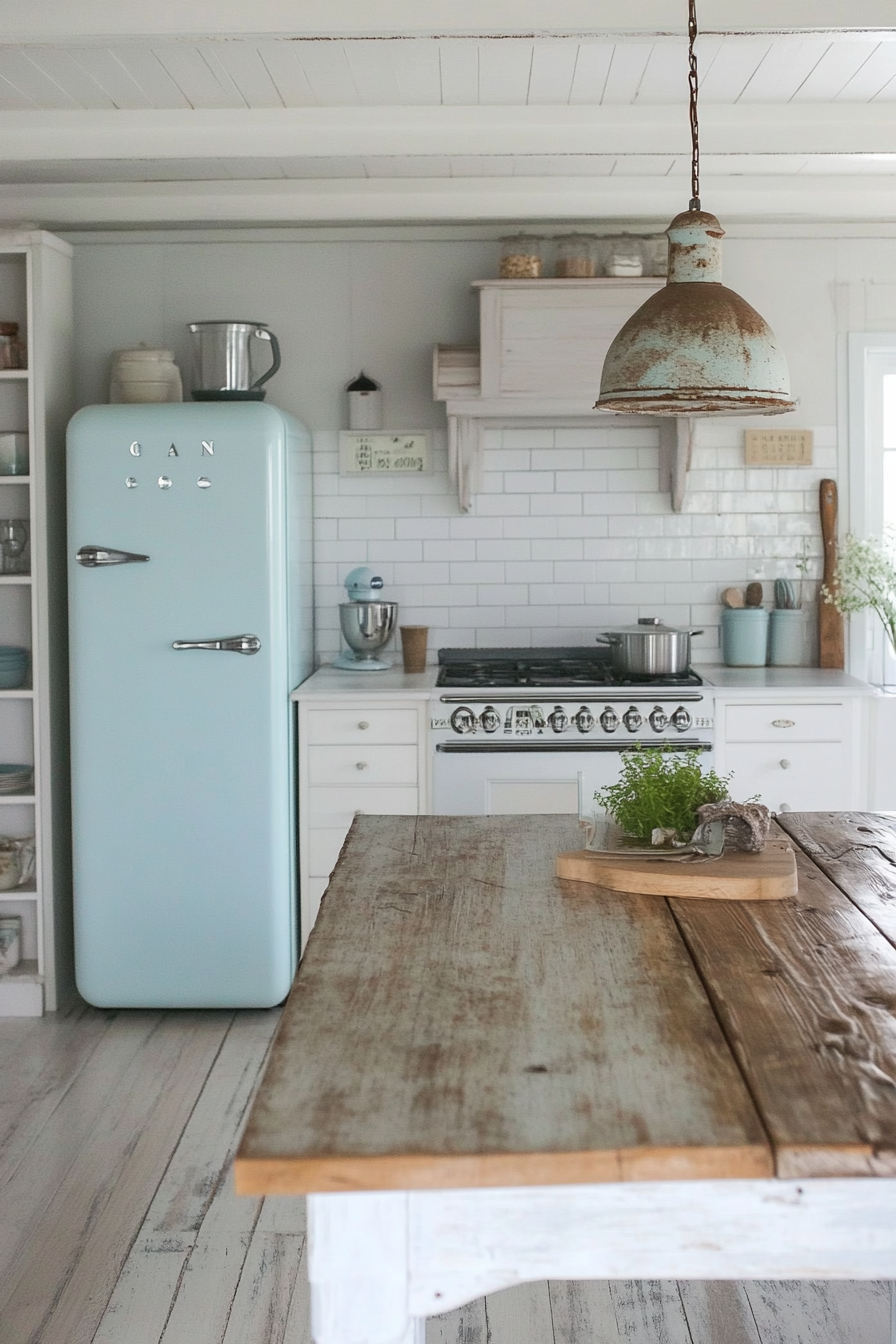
571 532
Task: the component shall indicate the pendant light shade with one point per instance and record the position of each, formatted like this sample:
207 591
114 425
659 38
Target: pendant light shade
695 347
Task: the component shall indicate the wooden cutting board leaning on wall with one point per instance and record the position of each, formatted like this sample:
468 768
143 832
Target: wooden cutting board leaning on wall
830 620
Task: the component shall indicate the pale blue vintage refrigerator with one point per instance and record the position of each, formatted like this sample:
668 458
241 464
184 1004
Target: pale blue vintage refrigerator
190 598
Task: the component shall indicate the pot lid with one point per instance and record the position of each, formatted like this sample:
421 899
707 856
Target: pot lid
647 625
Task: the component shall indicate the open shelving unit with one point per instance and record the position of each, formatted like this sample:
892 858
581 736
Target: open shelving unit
35 291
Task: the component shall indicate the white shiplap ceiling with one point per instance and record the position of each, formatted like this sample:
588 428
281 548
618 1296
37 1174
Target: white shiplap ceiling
116 127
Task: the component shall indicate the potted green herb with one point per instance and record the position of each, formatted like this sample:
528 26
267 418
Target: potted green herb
661 790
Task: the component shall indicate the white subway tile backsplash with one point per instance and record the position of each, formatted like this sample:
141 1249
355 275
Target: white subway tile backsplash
558 548
494 594
571 535
556 505
513 549
477 571
557 459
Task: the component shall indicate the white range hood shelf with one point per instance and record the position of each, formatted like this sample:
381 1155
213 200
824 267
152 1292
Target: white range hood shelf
542 348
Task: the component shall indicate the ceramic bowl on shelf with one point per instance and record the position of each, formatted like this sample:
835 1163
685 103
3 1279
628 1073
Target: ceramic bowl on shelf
16 778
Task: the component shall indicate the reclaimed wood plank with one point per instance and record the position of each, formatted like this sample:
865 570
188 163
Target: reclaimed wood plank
521 1312
582 1309
266 1289
857 851
506 1028
805 991
57 1290
718 1312
141 1299
797 1310
465 1325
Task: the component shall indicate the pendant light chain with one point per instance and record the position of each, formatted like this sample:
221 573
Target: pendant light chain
692 85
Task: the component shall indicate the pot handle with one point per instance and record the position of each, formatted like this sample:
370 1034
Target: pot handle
608 638
263 334
691 633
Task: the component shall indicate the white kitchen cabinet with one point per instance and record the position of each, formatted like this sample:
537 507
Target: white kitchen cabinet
798 755
360 753
35 291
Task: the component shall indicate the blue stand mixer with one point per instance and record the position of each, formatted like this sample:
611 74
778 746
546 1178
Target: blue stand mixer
367 622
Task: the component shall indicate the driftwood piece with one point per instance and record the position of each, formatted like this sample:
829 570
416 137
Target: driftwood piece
746 824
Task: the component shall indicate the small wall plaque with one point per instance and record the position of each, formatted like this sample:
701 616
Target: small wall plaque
778 447
376 453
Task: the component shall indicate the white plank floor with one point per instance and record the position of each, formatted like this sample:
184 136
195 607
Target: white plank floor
118 1224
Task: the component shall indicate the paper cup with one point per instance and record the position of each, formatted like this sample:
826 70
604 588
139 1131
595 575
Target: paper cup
413 647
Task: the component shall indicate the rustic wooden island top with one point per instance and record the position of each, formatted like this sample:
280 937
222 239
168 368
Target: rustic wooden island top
463 1018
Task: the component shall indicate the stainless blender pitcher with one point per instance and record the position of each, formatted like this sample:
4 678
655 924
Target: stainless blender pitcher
222 365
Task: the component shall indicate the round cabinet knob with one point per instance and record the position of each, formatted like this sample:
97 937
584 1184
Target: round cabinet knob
609 720
584 720
490 719
681 720
463 720
785 765
558 720
632 719
658 719
361 765
363 725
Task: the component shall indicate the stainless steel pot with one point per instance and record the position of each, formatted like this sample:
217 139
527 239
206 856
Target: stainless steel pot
223 368
649 649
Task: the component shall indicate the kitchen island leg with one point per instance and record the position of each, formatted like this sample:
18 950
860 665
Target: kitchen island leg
358 1269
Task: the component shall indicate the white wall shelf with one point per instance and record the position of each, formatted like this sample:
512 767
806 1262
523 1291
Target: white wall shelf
542 347
35 291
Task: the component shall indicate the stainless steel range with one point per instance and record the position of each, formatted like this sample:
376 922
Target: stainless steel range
513 730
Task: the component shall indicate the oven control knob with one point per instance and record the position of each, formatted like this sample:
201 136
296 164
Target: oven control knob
490 719
681 719
584 720
558 720
632 719
609 720
658 719
463 720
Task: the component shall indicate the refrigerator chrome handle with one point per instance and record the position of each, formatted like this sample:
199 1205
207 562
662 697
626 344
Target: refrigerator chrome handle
234 644
92 556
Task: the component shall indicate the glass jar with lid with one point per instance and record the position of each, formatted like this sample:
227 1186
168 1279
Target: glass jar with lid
576 256
521 257
12 351
622 255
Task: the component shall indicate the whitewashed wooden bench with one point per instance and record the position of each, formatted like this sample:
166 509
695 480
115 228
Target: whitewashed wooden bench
486 1076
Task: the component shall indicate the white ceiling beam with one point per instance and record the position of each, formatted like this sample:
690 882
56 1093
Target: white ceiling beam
745 128
444 199
62 21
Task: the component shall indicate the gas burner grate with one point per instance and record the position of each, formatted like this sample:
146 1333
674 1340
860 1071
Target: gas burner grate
472 668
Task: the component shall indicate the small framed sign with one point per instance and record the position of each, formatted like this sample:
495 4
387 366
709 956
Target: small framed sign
778 447
374 452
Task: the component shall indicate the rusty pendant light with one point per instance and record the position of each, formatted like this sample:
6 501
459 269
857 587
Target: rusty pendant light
695 347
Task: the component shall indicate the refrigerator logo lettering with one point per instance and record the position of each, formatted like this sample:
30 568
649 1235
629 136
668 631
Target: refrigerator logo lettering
135 450
208 447
172 451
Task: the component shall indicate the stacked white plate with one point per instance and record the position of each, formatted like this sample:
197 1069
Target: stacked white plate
16 778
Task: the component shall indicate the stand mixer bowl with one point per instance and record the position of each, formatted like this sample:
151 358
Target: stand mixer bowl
366 628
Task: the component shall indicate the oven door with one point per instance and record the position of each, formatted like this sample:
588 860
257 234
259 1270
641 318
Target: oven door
475 779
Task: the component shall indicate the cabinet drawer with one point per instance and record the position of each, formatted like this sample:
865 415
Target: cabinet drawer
362 725
782 723
815 778
331 808
362 764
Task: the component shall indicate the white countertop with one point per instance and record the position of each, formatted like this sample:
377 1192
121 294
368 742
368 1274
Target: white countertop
766 682
394 683
771 681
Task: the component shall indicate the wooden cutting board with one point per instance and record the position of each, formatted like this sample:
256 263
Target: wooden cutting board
769 876
830 620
